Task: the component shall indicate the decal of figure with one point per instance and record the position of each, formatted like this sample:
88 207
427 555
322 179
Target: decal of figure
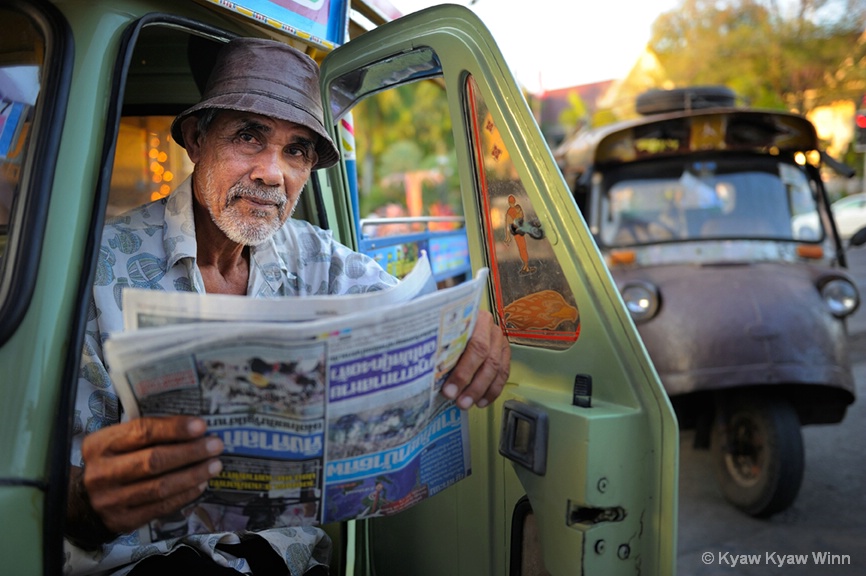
517 228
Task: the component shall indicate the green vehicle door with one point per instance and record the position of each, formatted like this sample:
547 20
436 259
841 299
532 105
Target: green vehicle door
574 469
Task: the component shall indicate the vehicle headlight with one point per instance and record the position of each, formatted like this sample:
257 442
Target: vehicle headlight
840 296
641 299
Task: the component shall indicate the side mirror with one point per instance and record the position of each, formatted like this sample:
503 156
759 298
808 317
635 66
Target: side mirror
839 167
858 239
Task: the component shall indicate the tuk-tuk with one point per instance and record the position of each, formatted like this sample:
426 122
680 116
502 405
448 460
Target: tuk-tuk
573 469
714 220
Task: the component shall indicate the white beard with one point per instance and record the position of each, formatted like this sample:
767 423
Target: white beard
250 229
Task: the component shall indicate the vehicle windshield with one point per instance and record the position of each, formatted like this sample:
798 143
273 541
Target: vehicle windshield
731 198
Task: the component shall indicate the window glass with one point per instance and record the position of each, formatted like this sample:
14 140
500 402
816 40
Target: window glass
406 159
22 54
408 183
167 68
534 302
148 164
729 198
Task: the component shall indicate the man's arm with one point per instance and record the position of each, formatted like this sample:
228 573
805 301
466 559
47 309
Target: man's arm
483 368
137 471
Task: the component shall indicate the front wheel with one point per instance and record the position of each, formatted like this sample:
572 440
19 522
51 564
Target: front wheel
757 450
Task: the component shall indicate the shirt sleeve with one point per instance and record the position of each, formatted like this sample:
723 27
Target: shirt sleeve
317 264
354 273
96 403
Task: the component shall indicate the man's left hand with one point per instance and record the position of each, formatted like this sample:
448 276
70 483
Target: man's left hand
483 368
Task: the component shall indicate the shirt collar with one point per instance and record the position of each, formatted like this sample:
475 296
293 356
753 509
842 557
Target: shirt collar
180 225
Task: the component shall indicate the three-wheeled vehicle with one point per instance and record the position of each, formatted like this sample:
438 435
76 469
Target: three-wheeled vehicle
699 208
574 468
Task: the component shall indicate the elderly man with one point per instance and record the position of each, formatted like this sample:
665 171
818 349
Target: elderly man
254 139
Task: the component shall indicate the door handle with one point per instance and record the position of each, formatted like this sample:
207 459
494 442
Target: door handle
523 438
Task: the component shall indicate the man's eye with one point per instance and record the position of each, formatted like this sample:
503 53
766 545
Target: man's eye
299 150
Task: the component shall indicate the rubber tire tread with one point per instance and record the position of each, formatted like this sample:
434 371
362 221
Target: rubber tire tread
781 481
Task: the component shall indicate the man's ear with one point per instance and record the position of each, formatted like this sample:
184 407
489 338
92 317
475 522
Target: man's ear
189 129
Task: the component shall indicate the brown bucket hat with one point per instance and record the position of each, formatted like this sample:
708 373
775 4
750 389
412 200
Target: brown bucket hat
268 78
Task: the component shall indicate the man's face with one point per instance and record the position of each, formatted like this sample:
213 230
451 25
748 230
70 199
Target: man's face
249 172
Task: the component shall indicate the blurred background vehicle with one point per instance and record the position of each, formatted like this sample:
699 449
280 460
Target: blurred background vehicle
698 208
849 214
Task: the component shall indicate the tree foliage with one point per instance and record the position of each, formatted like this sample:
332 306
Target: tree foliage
787 54
576 114
403 130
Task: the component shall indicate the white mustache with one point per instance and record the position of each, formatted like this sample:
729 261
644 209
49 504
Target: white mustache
262 194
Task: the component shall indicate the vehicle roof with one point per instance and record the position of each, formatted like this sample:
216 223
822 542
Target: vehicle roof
683 132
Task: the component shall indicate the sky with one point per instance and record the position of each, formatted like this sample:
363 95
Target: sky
552 44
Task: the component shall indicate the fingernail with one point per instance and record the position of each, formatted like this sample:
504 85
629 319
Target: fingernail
465 403
214 445
202 487
196 426
215 467
482 403
450 391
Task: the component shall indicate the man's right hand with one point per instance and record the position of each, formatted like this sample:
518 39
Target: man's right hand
147 468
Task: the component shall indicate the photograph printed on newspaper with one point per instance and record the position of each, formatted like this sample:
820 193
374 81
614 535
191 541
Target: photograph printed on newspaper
326 418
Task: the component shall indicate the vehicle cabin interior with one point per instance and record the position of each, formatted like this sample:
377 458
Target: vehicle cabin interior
148 164
21 60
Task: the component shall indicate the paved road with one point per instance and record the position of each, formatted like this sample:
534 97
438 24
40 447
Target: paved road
829 516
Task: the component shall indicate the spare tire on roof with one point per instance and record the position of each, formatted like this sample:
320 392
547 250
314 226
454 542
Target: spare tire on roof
684 99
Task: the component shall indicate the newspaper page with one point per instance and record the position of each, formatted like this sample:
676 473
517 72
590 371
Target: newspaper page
142 308
323 420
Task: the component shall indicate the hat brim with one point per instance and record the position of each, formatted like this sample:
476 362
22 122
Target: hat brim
263 105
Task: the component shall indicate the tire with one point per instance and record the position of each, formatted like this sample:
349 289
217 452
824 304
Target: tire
757 452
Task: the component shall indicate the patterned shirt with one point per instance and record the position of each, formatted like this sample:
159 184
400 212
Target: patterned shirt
154 246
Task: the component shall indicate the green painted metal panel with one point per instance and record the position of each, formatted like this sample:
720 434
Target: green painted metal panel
630 436
21 538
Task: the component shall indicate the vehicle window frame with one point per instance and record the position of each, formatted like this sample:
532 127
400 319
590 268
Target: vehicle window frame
512 296
27 231
57 486
311 206
55 506
29 215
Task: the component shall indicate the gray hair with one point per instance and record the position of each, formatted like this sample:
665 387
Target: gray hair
205 118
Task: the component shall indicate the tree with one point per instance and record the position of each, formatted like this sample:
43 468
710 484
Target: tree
794 55
576 114
401 131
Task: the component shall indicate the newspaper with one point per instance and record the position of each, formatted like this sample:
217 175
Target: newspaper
143 309
328 413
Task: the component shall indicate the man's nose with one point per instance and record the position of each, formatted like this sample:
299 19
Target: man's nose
268 168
